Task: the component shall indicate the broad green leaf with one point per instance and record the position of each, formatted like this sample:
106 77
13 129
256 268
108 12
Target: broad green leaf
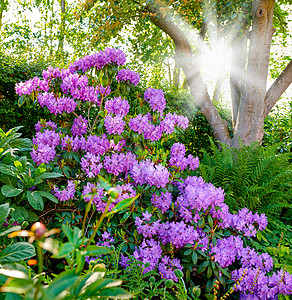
104 183
65 250
47 175
10 191
122 205
97 250
17 286
16 252
68 232
99 284
21 144
19 214
35 200
12 229
8 179
194 257
115 293
9 170
4 212
64 281
49 196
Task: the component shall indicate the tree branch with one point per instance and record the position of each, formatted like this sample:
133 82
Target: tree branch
191 68
278 88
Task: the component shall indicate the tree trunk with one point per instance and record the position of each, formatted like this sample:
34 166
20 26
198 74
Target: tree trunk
62 27
176 75
250 114
251 102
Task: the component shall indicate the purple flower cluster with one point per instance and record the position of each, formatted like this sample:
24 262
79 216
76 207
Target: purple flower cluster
31 85
79 126
178 159
57 105
114 125
119 163
167 267
176 233
48 137
145 172
44 146
117 106
162 201
67 193
247 222
148 252
258 285
156 99
43 154
91 165
96 144
99 60
128 76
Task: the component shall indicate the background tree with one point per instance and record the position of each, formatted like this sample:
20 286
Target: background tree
255 23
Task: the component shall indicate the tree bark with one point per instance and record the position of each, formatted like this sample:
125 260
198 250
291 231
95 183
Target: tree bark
250 117
237 71
176 75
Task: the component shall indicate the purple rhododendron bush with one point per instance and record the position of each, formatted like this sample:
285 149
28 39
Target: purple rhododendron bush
176 221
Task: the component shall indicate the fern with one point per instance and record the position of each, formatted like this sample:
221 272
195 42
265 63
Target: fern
252 176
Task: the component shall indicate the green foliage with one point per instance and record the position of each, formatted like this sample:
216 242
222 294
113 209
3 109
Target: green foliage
17 252
199 133
254 177
76 283
20 181
12 71
278 128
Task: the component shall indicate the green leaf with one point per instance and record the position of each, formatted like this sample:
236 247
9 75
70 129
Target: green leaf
47 175
4 212
122 205
210 296
19 214
12 229
94 288
194 257
10 191
8 170
21 144
209 272
35 200
114 293
97 250
68 232
65 250
64 281
49 196
16 252
103 183
17 286
8 179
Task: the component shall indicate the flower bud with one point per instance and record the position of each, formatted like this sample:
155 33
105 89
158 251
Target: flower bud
113 192
38 229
